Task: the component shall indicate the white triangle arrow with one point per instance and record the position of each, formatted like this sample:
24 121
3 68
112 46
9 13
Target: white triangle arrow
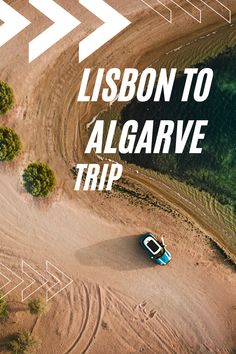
195 9
166 12
14 23
63 285
43 281
64 23
114 23
9 281
220 9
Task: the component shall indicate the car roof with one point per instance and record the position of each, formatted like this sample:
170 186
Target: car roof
146 242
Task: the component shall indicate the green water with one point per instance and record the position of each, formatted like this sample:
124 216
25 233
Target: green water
214 170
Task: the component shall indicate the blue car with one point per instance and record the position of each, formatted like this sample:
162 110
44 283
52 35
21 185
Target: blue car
155 249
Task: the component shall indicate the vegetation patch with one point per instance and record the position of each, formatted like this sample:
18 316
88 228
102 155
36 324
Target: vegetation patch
10 144
39 179
7 99
4 314
37 306
23 343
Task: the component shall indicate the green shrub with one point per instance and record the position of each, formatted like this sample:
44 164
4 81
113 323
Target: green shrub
7 99
39 179
4 314
23 343
37 306
10 144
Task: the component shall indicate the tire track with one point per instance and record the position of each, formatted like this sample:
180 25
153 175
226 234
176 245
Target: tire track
124 306
163 340
99 293
85 321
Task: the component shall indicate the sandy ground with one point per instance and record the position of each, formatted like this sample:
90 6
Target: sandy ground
119 301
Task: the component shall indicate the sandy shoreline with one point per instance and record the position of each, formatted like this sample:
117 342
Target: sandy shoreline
118 299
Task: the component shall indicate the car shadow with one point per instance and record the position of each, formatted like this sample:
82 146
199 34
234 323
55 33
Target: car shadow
122 253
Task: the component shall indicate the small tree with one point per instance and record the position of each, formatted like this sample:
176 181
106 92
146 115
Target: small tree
7 99
39 179
4 314
37 306
23 343
10 144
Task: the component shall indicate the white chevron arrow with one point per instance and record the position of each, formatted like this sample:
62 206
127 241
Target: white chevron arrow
14 23
198 18
114 23
26 268
64 23
52 270
9 281
220 9
165 12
